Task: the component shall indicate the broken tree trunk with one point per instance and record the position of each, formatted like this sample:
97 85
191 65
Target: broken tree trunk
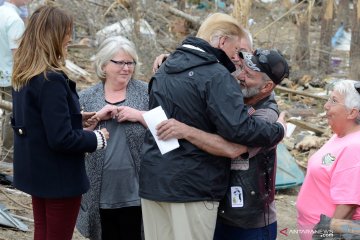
302 52
135 7
325 37
241 12
343 14
355 43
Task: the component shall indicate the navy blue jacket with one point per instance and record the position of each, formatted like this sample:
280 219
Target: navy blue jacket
196 87
49 142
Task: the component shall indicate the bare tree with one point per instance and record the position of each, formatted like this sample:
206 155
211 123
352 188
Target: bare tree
325 37
302 52
241 11
343 14
136 7
355 43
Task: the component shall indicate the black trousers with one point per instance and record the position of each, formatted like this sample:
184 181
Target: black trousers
121 223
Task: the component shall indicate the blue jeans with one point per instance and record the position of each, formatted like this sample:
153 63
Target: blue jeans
227 232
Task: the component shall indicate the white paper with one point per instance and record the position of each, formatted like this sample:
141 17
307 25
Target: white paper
290 129
152 119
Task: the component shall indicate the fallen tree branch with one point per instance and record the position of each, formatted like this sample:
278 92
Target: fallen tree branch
195 21
318 131
15 201
288 90
6 105
292 9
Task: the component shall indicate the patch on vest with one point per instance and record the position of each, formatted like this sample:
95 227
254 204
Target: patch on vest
239 164
237 199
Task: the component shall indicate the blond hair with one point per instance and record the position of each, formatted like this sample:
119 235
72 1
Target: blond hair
220 24
41 46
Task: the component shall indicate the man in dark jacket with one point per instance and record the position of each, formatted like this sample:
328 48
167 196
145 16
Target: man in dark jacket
248 210
181 190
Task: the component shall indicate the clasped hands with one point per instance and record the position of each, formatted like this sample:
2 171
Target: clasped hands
120 114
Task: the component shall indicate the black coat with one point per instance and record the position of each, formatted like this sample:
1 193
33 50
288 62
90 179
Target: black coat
49 142
257 184
193 87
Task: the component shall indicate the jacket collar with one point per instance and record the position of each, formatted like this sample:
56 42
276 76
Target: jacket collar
206 47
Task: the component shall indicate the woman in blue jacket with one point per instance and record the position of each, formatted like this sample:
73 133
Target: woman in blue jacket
49 140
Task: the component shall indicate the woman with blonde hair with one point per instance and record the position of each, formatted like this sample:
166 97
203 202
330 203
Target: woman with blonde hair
50 141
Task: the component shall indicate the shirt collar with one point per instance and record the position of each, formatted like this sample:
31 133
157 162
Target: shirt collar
13 7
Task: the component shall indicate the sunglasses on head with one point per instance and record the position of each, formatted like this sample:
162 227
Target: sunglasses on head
262 55
263 59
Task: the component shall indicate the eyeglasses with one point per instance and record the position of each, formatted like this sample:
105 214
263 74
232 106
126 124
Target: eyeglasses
357 87
123 63
333 101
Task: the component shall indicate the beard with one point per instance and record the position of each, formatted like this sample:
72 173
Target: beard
250 92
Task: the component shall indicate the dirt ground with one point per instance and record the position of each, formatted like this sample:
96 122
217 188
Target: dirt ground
285 205
280 35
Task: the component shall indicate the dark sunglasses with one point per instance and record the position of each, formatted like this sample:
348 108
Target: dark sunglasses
357 87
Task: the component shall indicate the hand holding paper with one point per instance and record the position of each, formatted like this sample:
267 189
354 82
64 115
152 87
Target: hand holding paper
152 119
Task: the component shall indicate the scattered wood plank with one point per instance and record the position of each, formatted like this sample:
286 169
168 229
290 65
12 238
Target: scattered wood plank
308 126
288 90
6 105
76 69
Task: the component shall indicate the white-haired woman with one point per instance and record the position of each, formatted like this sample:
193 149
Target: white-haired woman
111 209
331 186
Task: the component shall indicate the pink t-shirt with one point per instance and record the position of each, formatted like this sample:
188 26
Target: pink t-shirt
333 177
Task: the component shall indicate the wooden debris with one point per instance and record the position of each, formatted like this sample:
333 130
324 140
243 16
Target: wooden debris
76 69
310 142
308 126
288 90
195 21
179 28
6 105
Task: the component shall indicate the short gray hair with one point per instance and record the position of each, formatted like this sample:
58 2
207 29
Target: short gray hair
108 49
352 98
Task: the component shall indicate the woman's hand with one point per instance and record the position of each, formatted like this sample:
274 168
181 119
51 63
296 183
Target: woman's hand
124 113
86 116
107 112
281 120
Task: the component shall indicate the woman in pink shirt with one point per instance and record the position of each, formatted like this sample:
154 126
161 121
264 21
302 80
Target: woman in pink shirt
331 185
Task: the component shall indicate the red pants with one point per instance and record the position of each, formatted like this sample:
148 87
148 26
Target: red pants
55 218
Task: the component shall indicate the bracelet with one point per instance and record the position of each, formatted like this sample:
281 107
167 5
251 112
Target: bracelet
101 141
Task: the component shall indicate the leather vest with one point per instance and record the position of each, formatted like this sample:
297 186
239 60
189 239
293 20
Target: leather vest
252 189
